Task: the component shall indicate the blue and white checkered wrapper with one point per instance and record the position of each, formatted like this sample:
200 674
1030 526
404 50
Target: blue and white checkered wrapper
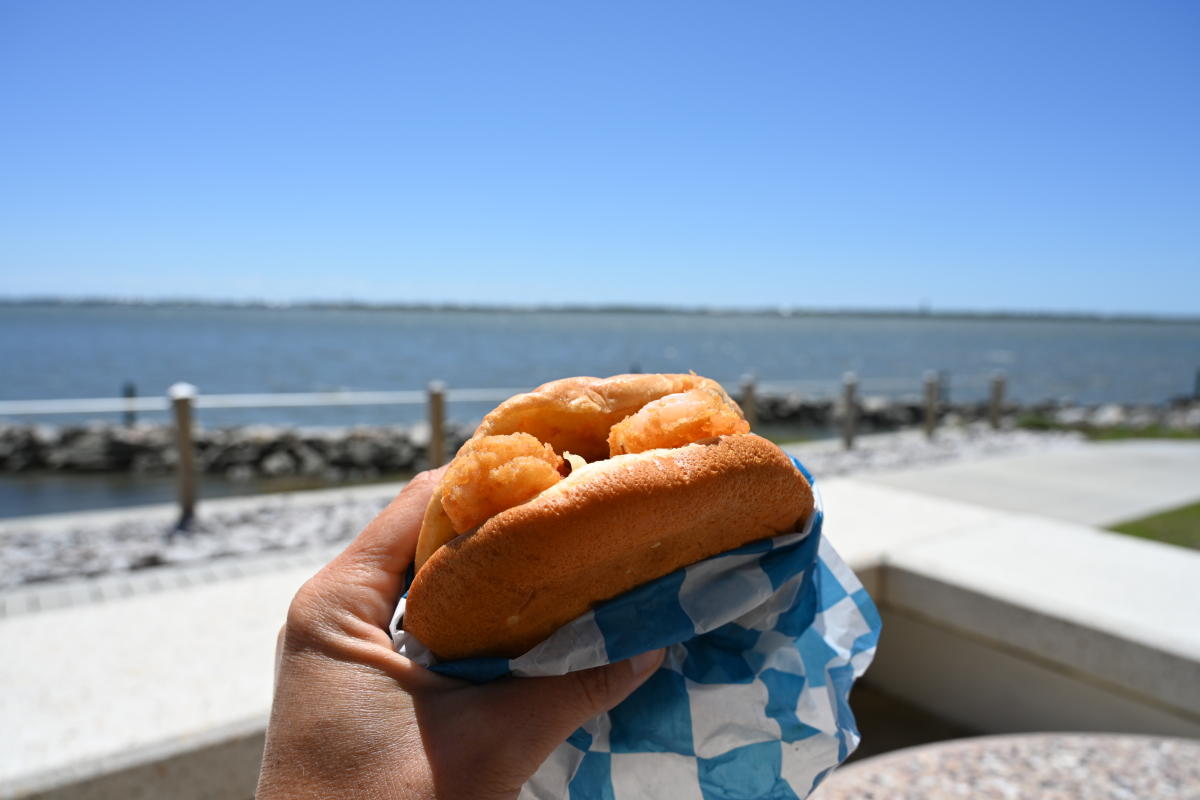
763 644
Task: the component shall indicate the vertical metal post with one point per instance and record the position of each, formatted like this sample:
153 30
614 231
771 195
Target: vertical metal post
437 424
130 392
996 401
849 409
1196 388
931 402
182 396
749 401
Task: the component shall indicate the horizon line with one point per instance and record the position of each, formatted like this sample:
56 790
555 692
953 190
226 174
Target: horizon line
348 304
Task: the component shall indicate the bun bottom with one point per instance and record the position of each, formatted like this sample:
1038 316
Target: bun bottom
606 528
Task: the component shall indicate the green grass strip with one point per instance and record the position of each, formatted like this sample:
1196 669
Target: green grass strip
1180 526
1040 422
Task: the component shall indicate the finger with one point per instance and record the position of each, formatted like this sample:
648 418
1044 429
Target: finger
389 541
279 646
535 715
365 579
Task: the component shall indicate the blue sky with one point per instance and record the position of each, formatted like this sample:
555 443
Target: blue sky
1008 155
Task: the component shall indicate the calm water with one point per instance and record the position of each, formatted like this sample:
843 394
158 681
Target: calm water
53 351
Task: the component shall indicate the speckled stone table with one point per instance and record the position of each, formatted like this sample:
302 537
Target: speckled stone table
1034 766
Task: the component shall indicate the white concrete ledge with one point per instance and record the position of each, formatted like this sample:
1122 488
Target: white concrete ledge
1107 608
1007 621
994 689
866 522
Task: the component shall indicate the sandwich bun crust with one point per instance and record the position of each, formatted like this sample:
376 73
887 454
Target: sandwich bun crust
606 528
581 418
576 414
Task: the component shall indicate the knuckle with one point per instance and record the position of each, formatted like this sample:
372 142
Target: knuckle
305 617
595 687
423 477
423 480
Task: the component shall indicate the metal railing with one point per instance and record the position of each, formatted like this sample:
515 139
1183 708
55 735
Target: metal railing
183 400
110 405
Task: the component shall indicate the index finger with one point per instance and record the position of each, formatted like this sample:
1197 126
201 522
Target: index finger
389 542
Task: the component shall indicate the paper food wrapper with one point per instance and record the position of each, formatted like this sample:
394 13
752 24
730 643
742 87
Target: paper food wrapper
763 644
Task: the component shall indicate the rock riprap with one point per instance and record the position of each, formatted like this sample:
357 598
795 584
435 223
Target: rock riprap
243 453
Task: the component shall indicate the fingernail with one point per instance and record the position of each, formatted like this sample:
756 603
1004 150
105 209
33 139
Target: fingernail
645 662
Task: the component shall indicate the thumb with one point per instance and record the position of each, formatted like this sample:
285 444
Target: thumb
543 712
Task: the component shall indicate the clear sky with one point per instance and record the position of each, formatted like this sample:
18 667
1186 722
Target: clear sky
1002 155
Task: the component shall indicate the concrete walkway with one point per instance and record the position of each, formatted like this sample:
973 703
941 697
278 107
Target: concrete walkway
171 688
1095 483
98 687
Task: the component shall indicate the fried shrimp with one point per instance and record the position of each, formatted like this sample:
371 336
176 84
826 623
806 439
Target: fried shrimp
576 413
517 451
493 473
489 474
676 420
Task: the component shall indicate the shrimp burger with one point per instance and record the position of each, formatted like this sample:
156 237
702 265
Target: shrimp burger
581 490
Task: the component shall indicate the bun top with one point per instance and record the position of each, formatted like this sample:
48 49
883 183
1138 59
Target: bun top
581 418
576 414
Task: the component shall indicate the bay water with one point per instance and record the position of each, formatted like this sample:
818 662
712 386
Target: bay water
73 351
66 351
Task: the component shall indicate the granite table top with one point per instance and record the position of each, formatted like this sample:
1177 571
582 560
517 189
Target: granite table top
1044 766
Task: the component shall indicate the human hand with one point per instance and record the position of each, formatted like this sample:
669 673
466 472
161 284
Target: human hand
352 718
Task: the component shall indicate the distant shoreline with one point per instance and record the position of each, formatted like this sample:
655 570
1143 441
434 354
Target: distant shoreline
600 308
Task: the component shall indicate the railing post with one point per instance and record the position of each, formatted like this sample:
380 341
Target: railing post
749 401
849 409
996 400
437 424
130 392
1196 387
931 402
182 396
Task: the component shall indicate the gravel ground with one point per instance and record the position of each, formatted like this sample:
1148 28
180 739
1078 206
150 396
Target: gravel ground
29 555
33 555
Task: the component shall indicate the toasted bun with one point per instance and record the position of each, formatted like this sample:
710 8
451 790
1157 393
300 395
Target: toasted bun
606 528
575 414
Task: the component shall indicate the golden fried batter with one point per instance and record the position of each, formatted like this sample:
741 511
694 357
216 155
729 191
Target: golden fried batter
514 454
576 413
493 473
677 420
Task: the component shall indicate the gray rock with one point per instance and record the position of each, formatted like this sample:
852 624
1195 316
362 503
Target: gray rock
84 451
1142 417
1108 416
240 473
277 464
1071 415
308 460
